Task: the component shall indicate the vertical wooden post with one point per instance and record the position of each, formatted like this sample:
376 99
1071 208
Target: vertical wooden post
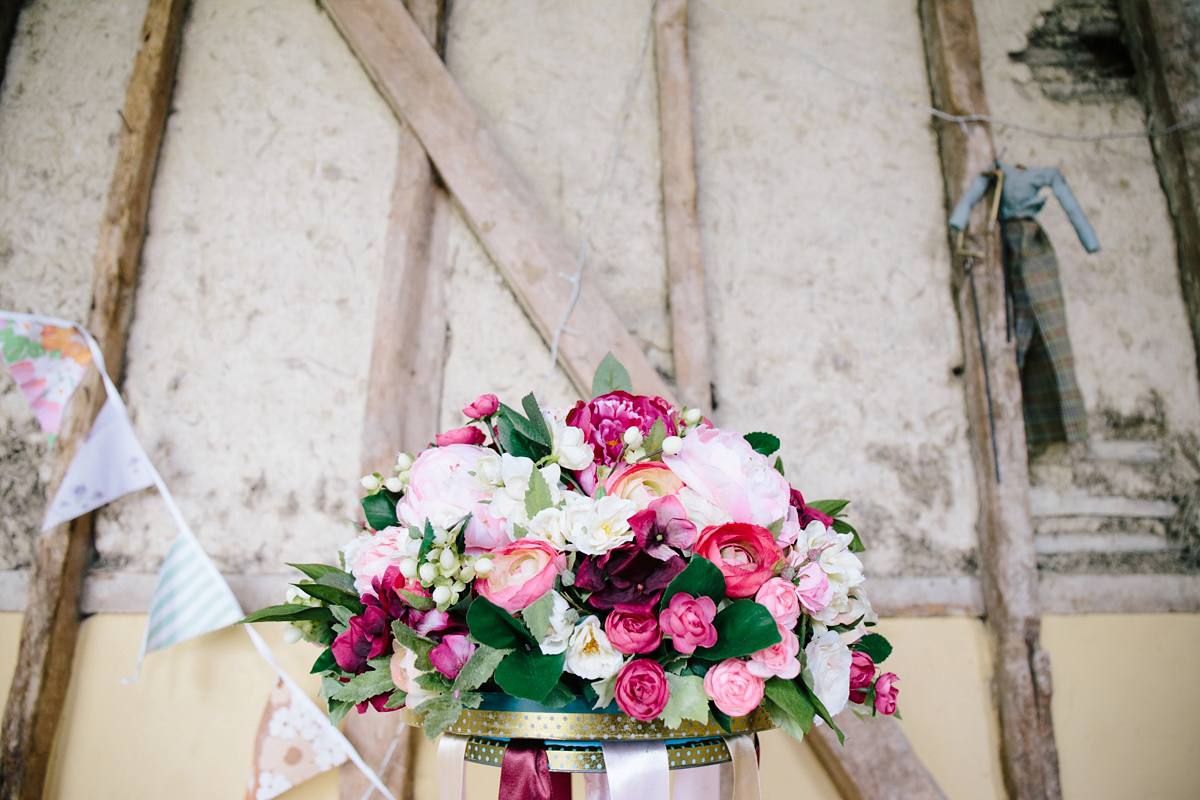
1029 755
685 257
51 623
1164 39
9 11
404 387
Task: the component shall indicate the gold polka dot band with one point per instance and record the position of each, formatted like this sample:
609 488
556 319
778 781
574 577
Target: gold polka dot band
590 757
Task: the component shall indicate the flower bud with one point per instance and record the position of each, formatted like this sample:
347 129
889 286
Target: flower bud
448 560
632 437
408 568
692 416
372 482
428 572
394 485
441 595
672 445
292 634
403 462
483 565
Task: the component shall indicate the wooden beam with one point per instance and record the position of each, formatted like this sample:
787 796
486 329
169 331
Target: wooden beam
9 11
1164 39
997 428
528 251
681 226
876 763
51 622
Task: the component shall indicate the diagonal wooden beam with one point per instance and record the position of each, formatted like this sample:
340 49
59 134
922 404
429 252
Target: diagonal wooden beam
681 226
51 622
528 251
876 763
1022 668
9 11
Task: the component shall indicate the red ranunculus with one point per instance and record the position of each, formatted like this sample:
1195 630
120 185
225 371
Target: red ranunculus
605 419
641 689
745 553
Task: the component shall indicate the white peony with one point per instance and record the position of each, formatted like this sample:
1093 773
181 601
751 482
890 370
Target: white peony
568 447
562 625
828 661
590 655
700 512
597 526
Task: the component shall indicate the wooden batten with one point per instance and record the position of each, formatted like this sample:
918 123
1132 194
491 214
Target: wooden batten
51 622
1010 589
876 763
681 226
524 245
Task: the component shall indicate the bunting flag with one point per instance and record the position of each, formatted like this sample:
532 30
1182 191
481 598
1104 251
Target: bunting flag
190 599
295 742
47 361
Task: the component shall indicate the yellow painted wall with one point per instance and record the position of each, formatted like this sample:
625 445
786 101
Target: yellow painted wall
1126 708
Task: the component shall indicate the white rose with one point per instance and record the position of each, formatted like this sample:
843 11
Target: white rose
568 447
847 609
562 625
597 526
550 525
828 661
354 549
590 655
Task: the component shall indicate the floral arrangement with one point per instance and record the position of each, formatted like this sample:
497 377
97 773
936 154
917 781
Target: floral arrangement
624 551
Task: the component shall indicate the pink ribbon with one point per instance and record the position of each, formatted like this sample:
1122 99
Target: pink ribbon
525 773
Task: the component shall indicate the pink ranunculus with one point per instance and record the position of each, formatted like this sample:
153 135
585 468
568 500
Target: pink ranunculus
689 622
388 548
483 406
733 687
449 657
862 670
779 659
605 419
813 589
746 555
885 693
467 435
446 484
633 631
642 482
641 689
522 571
725 470
779 597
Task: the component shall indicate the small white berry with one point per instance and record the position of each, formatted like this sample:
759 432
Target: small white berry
428 572
403 461
692 416
483 566
394 484
408 568
441 595
372 482
672 445
632 437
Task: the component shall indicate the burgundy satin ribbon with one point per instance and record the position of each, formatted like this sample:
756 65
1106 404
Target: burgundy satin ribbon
525 773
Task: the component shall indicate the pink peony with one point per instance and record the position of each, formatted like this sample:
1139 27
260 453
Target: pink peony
387 549
724 469
642 482
641 689
813 589
779 597
522 571
446 484
733 687
467 435
449 657
633 631
746 555
885 693
778 659
688 621
484 406
605 419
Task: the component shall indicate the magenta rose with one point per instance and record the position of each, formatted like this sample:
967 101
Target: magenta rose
746 554
734 688
366 636
605 419
641 689
779 597
689 622
483 406
813 589
633 631
467 435
862 671
885 693
780 659
449 657
522 571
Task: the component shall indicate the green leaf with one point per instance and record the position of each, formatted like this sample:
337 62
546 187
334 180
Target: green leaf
479 668
338 580
396 700
324 662
830 507
332 595
315 571
700 578
513 441
426 542
786 723
764 443
342 614
720 717
791 702
288 612
537 423
776 527
495 627
537 497
411 640
537 615
653 441
841 526
529 675
687 700
337 710
363 687
418 601
611 376
380 509
874 645
433 682
743 628
440 713
559 696
779 465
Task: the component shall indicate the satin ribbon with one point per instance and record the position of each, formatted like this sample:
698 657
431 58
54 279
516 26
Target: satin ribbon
698 783
745 767
637 770
452 767
525 774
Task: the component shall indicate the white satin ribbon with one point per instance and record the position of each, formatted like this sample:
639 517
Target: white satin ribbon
745 767
452 767
698 783
595 786
637 770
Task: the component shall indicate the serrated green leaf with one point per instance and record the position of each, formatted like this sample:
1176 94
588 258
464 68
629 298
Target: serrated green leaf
363 687
764 443
433 682
687 700
604 691
779 465
396 700
337 710
537 423
537 615
559 696
529 675
288 612
653 441
426 542
411 640
776 527
479 668
830 507
440 713
874 645
611 376
329 685
513 441
332 595
341 614
495 627
418 601
700 578
720 717
324 662
537 496
743 627
791 702
380 509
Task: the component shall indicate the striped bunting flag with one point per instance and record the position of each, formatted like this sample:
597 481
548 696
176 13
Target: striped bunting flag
191 597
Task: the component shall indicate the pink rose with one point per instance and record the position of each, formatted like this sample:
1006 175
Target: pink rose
467 435
862 671
388 548
449 657
484 406
633 631
605 419
641 689
446 484
733 687
778 659
688 621
642 482
522 571
813 589
885 693
779 597
724 469
746 555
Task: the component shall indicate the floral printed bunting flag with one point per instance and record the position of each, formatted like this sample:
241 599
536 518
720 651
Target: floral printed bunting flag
295 742
47 361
